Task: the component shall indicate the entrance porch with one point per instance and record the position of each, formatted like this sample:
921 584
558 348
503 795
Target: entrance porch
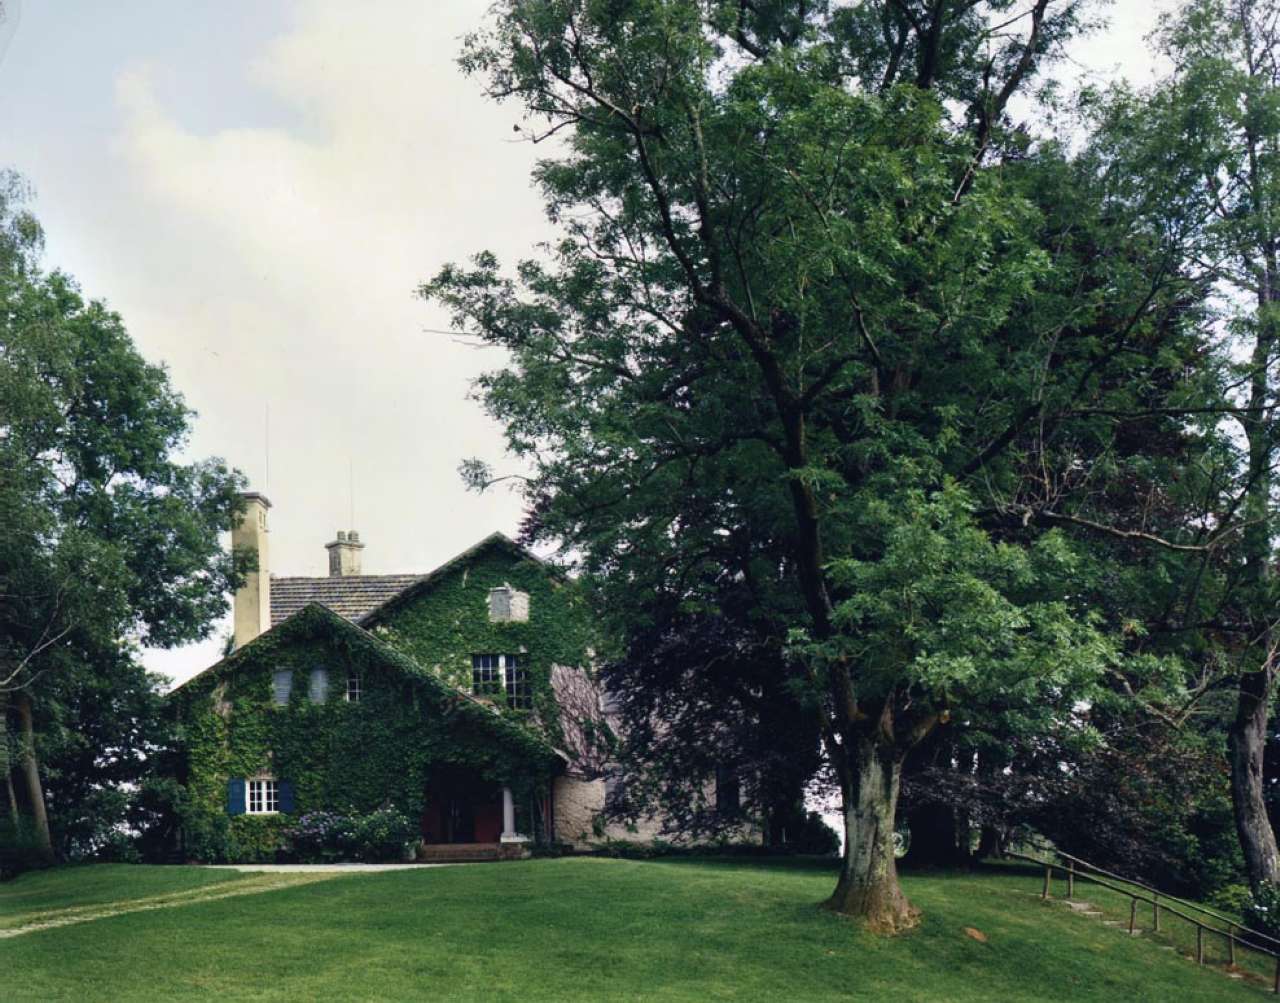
467 818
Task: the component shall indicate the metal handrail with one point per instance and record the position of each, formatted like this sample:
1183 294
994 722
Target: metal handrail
1194 906
1231 934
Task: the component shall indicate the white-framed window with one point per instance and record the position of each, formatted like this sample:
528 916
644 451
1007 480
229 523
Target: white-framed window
515 674
486 675
262 797
319 692
495 675
282 686
354 690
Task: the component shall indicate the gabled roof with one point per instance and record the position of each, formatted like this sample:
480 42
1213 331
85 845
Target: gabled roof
314 619
363 598
350 596
494 541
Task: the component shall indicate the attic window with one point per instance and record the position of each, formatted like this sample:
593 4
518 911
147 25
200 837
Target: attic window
319 685
354 689
282 686
508 605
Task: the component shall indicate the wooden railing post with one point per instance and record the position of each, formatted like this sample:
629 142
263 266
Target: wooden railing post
1048 876
1155 911
1231 944
1199 944
1133 914
1071 878
1276 987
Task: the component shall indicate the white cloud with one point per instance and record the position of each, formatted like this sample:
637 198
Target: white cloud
300 247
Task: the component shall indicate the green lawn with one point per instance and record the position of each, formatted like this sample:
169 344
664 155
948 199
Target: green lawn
45 891
582 929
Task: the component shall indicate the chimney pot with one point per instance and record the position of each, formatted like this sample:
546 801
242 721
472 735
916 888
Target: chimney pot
344 554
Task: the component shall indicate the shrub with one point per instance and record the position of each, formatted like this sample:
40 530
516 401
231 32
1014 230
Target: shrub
1231 898
118 848
376 837
322 836
1262 911
383 835
19 848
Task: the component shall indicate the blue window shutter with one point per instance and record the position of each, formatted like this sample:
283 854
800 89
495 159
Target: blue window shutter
235 796
286 797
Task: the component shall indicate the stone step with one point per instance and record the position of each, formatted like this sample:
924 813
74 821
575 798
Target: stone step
458 853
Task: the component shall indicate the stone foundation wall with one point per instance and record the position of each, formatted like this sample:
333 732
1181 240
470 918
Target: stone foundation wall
579 802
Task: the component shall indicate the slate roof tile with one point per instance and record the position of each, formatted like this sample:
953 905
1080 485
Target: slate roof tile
350 596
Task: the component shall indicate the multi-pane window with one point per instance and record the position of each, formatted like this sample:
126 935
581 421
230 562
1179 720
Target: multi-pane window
319 685
494 675
486 675
282 686
516 676
354 690
264 797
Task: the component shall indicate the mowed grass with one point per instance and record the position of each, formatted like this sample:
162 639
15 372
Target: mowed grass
42 892
591 929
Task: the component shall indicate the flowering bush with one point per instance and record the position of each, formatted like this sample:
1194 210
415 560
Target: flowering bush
321 836
378 836
1262 911
384 835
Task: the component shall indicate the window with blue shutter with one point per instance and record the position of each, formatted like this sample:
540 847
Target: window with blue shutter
282 686
235 796
286 796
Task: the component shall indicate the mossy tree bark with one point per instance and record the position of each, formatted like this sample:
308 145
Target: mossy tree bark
868 888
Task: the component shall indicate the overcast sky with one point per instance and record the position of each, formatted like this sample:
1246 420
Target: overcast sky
257 186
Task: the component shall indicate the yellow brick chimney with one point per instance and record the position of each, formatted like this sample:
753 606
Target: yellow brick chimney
252 604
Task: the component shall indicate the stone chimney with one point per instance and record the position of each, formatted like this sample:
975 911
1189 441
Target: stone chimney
252 602
344 554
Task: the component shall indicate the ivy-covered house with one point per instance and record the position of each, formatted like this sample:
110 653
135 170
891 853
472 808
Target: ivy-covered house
444 695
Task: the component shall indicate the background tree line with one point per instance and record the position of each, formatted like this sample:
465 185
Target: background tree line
922 412
110 541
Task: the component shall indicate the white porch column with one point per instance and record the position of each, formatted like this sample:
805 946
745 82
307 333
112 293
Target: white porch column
508 814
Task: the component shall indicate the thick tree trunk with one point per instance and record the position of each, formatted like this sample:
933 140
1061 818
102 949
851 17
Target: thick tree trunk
1246 743
868 888
31 773
6 766
1246 739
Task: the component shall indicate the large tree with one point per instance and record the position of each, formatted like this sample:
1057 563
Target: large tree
110 541
1203 148
811 281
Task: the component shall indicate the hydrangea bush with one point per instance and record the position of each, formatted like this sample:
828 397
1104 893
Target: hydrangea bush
385 834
